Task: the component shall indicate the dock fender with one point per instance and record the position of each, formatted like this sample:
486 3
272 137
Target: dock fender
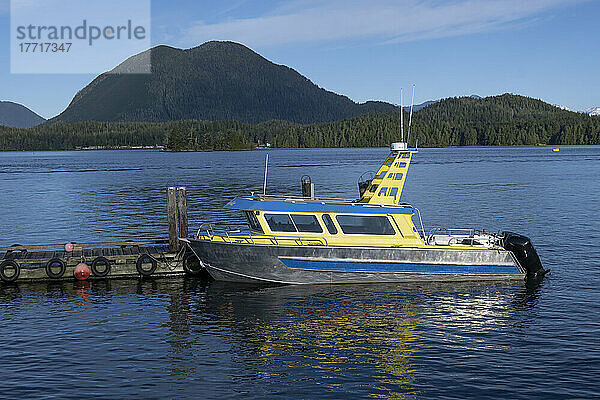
52 265
140 264
192 264
100 267
7 276
525 253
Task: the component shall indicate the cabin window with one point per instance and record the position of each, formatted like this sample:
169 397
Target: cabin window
365 225
280 223
307 223
389 161
393 192
329 224
402 165
406 155
253 222
399 176
383 191
381 175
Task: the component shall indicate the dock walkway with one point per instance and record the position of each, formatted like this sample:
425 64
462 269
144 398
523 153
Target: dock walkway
105 260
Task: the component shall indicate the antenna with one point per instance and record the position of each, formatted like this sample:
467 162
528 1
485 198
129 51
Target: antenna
412 103
266 168
401 118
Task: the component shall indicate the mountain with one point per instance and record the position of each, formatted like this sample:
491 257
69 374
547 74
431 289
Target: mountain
214 81
593 111
18 116
417 107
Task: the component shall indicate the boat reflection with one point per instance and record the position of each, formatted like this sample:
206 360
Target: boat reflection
343 336
351 339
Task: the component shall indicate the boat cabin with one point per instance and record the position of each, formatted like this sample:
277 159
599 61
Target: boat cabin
336 222
376 219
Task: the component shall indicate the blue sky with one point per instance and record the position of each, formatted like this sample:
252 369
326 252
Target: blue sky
367 50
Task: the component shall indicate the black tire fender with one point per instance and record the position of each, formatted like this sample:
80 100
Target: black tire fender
192 265
9 278
145 259
100 261
55 263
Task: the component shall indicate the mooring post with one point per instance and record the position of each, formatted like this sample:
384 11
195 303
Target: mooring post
308 188
172 217
182 219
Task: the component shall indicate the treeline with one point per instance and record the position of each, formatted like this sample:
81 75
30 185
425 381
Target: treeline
178 135
499 120
81 134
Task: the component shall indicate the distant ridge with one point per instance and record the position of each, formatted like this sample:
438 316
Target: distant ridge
504 120
214 81
18 116
417 107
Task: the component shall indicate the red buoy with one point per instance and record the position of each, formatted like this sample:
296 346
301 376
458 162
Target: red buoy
69 247
82 272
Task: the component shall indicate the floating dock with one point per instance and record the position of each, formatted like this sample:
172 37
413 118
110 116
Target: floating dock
102 260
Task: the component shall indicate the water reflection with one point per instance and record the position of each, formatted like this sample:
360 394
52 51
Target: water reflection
343 336
361 340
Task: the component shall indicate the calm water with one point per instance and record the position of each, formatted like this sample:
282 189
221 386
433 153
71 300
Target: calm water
179 338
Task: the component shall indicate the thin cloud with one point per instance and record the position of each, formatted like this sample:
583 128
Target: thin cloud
309 21
235 6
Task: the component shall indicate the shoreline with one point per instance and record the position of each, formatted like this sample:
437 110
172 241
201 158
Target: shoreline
166 150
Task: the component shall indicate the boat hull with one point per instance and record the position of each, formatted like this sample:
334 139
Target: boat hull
236 262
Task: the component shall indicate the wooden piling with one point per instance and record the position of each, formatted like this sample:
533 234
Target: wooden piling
182 218
172 219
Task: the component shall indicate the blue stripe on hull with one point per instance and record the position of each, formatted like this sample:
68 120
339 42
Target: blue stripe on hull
358 266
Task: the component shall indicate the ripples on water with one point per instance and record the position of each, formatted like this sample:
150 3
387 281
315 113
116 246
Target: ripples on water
189 339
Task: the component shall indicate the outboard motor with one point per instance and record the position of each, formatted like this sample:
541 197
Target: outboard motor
525 253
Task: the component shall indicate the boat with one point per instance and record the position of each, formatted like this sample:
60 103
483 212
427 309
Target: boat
312 240
556 149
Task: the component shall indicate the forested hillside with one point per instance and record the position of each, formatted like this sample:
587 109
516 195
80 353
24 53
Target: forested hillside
214 81
466 121
499 120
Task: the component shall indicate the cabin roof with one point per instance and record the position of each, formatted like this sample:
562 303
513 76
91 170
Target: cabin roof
315 205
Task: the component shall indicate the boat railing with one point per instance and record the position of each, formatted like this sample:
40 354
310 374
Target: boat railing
301 198
453 231
322 200
464 236
229 235
212 229
421 222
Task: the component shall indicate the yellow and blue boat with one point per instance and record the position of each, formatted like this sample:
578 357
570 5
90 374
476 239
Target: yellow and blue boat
308 240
